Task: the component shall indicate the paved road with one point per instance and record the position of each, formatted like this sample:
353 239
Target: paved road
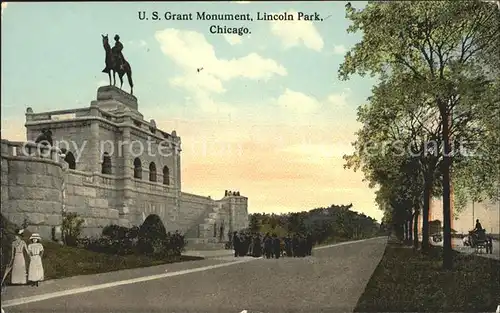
459 246
332 280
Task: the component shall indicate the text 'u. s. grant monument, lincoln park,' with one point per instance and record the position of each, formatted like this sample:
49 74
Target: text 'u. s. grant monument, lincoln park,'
99 166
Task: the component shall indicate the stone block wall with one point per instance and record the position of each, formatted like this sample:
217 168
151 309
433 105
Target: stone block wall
154 198
31 188
193 211
237 206
39 187
93 197
71 135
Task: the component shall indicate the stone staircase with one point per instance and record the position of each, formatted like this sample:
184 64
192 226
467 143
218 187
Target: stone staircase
205 239
204 244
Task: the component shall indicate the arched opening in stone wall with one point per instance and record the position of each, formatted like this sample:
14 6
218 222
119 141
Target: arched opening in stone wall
166 175
152 171
106 164
70 159
137 168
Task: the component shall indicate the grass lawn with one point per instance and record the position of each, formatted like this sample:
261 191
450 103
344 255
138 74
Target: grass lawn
63 261
407 281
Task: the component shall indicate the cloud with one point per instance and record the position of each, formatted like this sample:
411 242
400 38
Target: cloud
294 33
301 103
338 100
190 51
203 72
4 6
232 39
339 49
298 102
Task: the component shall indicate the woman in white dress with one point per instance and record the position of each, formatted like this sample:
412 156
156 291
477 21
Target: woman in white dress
35 272
18 263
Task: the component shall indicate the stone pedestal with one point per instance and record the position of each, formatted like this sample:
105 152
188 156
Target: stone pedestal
114 100
109 93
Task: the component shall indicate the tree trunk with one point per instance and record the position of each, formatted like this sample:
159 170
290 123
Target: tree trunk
446 169
425 212
410 228
415 228
408 231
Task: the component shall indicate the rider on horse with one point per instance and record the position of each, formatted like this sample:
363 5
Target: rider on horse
117 51
478 227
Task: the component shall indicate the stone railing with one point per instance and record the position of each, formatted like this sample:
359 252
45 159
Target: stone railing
30 150
154 187
196 198
52 115
110 116
106 180
94 179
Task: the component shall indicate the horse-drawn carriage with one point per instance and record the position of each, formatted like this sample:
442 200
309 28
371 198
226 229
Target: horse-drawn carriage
437 237
479 240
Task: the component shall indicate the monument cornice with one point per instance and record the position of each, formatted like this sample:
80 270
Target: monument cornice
105 121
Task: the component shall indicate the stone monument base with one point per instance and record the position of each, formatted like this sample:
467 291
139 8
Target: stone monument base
106 93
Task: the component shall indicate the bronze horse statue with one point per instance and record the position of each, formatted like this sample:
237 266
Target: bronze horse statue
113 64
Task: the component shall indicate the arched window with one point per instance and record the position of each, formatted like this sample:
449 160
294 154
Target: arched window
152 171
70 159
166 176
137 168
106 164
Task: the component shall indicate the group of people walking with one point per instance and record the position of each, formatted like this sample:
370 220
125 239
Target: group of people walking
17 266
271 246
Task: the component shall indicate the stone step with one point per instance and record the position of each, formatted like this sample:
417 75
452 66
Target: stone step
211 240
206 227
207 234
213 215
204 244
209 220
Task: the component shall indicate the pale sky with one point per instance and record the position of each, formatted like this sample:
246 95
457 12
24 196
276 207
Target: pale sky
266 116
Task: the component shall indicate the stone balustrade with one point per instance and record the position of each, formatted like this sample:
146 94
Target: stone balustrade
30 150
52 115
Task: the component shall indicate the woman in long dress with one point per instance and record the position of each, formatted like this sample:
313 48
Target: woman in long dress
35 272
18 275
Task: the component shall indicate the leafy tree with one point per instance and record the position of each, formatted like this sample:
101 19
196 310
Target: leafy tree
254 224
447 47
391 149
296 223
324 224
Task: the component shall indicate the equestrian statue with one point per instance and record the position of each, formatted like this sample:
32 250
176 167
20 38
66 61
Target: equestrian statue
116 62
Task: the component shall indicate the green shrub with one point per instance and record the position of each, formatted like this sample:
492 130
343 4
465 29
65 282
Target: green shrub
72 227
152 235
115 232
